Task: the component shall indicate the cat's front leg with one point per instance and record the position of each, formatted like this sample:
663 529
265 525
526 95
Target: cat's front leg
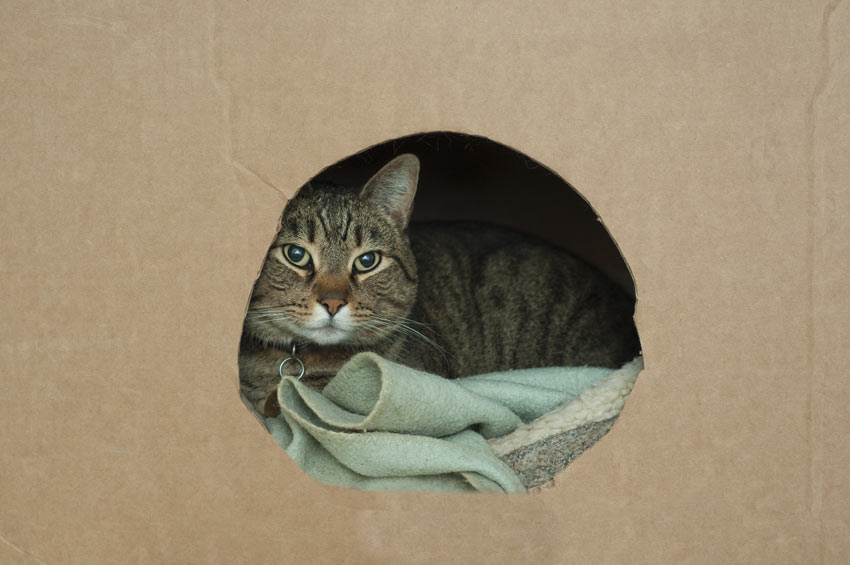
258 373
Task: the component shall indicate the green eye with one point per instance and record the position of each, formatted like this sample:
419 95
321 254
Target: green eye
367 261
298 256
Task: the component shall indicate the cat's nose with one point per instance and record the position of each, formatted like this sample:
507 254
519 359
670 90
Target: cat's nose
332 304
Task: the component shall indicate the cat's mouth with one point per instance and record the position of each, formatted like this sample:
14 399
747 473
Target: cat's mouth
327 332
320 328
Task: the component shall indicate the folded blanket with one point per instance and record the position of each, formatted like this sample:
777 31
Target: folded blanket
382 426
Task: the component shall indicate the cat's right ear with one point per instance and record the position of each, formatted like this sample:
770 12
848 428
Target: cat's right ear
393 187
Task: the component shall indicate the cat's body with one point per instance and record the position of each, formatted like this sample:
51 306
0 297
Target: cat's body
502 300
453 299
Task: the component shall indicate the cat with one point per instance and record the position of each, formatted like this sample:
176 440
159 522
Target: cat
346 273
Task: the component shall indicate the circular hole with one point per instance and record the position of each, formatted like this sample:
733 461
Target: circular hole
501 266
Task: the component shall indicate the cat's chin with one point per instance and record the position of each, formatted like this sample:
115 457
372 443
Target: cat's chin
328 335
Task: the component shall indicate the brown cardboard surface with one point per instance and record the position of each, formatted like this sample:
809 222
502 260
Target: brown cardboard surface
138 148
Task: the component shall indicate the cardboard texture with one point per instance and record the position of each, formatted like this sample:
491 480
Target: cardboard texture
139 148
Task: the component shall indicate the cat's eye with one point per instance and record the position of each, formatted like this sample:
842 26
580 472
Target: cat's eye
367 262
296 255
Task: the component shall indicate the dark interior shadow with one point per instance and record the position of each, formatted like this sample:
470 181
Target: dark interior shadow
466 177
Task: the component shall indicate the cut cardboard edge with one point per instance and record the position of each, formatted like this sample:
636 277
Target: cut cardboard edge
549 485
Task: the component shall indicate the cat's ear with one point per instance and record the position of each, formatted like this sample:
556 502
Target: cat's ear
393 187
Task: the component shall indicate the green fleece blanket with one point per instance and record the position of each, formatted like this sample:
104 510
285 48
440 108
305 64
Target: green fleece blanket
382 426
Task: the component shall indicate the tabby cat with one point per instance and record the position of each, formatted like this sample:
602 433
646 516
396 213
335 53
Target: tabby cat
346 274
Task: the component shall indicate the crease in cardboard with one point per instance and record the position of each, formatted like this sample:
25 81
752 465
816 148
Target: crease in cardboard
116 28
223 90
251 172
21 551
814 418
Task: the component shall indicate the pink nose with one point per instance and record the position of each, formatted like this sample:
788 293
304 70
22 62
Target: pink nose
332 304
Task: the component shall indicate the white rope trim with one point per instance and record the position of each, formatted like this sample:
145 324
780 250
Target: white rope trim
603 400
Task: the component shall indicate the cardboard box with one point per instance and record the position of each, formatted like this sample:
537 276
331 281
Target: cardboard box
140 150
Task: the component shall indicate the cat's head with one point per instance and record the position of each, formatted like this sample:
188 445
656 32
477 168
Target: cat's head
340 270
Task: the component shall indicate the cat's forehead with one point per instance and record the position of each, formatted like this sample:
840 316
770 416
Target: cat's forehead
333 219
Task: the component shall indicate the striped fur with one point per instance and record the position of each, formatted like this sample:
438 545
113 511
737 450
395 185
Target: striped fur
451 298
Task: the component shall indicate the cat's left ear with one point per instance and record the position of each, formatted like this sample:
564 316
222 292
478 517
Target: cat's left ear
393 187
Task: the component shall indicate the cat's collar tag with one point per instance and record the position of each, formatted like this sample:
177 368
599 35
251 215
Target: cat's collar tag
294 359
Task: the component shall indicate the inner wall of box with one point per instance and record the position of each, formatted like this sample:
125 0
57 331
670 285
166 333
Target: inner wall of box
464 177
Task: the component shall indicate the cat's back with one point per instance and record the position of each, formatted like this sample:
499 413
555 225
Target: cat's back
497 299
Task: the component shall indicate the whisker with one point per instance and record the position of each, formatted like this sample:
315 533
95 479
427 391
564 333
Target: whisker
414 322
407 330
261 308
373 314
267 318
263 316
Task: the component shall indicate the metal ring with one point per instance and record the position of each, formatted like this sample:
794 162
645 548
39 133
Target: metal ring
285 361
